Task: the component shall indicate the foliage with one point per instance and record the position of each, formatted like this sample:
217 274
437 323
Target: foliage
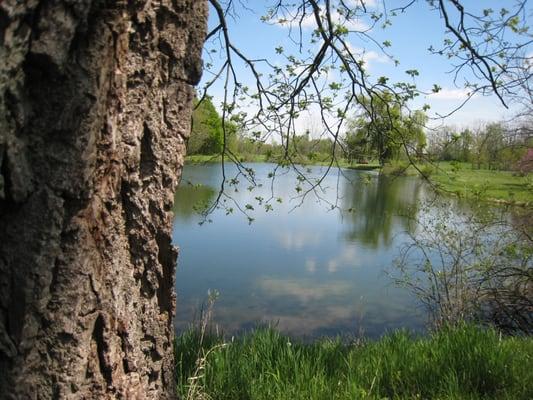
385 132
463 362
495 146
207 132
525 165
476 266
446 144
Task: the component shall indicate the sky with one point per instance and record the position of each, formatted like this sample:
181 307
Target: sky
411 34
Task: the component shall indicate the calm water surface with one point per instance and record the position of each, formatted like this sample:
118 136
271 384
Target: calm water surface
310 270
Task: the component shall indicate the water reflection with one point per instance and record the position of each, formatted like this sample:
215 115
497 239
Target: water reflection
302 290
191 199
298 240
310 270
376 204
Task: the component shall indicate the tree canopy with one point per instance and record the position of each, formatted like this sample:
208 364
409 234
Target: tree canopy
207 133
387 132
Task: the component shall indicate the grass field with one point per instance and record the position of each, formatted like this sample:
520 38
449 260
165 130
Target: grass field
500 186
460 363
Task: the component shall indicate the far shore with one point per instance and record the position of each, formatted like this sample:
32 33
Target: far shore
458 179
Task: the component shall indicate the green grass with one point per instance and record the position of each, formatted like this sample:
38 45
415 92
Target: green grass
499 186
460 363
462 180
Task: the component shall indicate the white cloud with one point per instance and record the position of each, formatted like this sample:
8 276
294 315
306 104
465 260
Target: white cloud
368 56
348 258
450 94
529 60
372 56
309 21
480 109
367 3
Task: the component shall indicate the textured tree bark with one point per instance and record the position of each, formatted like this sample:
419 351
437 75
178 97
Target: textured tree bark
95 104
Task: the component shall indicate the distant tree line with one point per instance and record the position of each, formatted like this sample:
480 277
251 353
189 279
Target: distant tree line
211 135
390 135
495 146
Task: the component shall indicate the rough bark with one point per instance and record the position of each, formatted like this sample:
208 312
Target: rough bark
95 103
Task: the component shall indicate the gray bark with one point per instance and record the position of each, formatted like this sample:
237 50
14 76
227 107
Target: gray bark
95 104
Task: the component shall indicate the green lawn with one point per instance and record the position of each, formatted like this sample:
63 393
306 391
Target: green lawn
501 186
461 363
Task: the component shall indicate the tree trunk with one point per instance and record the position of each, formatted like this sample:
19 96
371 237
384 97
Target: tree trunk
95 104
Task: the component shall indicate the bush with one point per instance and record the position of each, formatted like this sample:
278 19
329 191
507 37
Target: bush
475 267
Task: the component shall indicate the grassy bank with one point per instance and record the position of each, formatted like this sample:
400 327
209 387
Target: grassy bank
498 186
460 179
460 363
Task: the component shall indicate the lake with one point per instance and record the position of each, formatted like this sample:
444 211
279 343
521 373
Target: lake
309 269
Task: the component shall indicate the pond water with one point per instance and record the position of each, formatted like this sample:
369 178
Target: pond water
308 269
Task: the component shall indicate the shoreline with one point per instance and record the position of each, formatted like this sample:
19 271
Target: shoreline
465 183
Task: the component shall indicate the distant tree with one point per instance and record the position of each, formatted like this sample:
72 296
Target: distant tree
447 144
305 148
382 128
494 145
207 135
387 132
466 139
414 134
439 143
525 165
356 146
478 143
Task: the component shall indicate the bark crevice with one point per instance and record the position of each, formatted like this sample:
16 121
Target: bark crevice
102 349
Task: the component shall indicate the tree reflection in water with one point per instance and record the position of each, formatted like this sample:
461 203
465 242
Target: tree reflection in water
375 204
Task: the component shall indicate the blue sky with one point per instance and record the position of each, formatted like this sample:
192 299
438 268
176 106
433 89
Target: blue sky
411 34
